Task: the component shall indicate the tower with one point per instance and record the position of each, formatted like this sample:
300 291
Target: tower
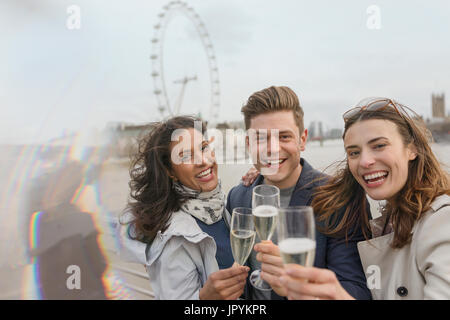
438 105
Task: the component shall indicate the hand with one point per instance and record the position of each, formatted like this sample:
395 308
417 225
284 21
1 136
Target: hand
250 176
271 265
225 284
303 283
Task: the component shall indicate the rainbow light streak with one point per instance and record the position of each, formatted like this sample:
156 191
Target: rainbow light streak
31 288
87 198
33 232
114 288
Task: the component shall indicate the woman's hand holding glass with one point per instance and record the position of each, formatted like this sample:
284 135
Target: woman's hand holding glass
296 239
225 284
297 243
229 283
309 283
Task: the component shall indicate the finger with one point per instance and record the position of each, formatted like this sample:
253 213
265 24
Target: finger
233 290
270 259
235 295
296 296
253 176
273 269
229 282
293 284
268 247
237 265
321 291
310 273
301 289
229 272
272 279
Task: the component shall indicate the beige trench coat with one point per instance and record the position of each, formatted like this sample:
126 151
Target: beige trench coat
419 270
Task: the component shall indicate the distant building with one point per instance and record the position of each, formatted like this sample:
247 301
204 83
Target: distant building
315 131
231 125
438 105
334 134
124 137
439 124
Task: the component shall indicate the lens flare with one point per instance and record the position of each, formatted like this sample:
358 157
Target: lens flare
49 185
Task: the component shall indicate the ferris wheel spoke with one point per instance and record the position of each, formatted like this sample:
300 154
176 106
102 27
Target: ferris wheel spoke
157 58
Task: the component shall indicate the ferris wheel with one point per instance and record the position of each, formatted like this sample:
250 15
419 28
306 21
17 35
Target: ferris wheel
164 105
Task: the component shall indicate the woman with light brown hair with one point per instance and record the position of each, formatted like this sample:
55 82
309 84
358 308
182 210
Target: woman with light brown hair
388 158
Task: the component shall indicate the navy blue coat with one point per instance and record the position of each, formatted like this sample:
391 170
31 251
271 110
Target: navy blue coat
331 253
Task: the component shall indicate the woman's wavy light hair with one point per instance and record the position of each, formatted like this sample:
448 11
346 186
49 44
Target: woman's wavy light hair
426 181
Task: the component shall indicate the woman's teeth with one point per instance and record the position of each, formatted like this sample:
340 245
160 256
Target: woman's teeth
375 176
204 173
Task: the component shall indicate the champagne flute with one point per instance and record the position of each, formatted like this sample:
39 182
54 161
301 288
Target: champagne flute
265 203
242 234
296 235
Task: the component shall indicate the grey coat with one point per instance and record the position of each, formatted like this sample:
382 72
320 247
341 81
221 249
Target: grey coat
178 261
419 270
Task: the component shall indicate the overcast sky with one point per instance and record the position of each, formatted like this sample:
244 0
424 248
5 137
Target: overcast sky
53 79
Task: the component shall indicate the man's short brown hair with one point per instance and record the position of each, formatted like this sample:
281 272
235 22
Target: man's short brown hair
273 99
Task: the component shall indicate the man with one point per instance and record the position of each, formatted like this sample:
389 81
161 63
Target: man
276 139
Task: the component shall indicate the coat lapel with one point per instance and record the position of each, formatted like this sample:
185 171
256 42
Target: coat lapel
302 193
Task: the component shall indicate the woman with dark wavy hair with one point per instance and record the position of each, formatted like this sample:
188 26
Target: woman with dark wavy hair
388 158
176 223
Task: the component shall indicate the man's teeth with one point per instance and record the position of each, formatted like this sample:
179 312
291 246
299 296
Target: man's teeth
375 175
275 162
204 173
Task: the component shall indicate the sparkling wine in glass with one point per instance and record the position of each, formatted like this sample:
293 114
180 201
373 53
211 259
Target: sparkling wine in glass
296 235
242 234
265 204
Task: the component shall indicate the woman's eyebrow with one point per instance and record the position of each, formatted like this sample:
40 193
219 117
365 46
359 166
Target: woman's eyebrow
378 138
370 141
354 146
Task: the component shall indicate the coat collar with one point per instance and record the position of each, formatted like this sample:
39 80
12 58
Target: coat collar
439 202
181 224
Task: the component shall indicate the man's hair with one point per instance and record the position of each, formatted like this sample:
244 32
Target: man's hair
273 99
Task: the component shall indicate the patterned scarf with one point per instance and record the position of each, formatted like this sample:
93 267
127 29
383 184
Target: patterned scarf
205 206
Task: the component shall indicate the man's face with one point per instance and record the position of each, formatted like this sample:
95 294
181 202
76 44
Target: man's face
275 143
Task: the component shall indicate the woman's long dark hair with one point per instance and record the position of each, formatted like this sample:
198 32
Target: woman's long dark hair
153 199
